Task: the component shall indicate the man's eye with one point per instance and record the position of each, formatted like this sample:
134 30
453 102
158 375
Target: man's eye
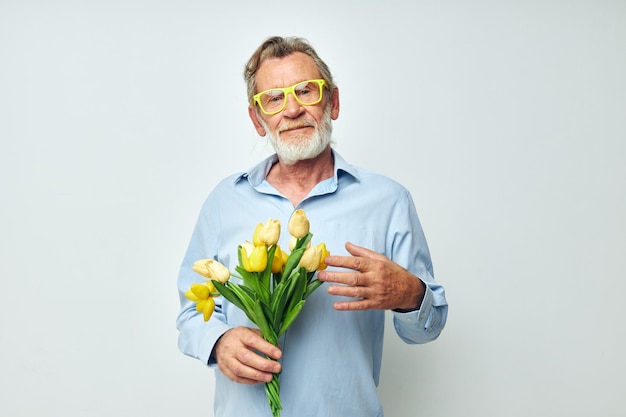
273 97
304 92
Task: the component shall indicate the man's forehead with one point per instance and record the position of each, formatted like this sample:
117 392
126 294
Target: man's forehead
286 71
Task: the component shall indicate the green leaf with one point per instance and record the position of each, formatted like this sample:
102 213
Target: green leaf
243 295
239 254
233 293
228 294
291 316
265 277
290 286
292 261
250 279
248 291
267 312
277 277
298 291
278 303
304 242
267 332
311 286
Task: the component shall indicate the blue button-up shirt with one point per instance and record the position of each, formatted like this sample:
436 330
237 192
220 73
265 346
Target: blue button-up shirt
331 359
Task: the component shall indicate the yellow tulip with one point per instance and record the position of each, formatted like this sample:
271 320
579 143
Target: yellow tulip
247 248
197 292
267 234
257 261
298 224
311 258
212 269
202 295
211 287
325 253
280 258
206 307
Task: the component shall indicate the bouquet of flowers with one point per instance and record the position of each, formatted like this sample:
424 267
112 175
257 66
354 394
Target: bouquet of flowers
274 285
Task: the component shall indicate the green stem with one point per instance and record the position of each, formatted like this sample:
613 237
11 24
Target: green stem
272 393
272 389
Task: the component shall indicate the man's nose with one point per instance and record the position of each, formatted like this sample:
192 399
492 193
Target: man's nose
292 107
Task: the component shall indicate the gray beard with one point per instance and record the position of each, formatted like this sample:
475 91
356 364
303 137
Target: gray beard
304 147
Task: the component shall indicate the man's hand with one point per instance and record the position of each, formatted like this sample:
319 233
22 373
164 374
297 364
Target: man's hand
237 357
375 281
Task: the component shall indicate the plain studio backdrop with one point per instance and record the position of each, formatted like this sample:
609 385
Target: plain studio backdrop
505 120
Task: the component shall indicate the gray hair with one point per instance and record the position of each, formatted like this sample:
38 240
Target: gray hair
279 47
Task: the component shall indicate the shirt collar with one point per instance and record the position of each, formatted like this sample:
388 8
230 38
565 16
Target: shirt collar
256 175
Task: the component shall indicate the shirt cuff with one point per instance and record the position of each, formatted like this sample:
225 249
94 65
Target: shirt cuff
208 343
417 316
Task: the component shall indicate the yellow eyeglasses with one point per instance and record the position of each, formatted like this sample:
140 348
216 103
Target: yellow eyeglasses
274 100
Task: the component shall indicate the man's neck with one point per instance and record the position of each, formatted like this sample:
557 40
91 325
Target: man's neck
297 180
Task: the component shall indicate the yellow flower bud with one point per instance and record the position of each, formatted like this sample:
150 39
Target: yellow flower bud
212 269
267 234
280 258
311 258
298 224
257 261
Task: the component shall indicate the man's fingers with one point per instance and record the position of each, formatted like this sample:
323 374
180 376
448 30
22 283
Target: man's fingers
353 305
347 291
361 258
361 251
346 278
244 375
256 342
237 357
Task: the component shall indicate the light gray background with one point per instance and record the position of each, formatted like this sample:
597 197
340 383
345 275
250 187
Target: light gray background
505 119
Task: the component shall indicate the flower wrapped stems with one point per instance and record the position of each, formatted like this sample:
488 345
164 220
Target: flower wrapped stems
275 285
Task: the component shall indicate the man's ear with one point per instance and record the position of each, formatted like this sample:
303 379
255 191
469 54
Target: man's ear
255 121
334 104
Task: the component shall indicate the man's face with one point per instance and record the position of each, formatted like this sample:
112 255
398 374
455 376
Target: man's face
298 132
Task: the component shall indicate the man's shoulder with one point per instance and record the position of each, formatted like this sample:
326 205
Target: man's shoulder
369 177
365 176
228 183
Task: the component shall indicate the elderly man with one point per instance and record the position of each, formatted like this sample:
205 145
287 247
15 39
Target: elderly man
329 360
